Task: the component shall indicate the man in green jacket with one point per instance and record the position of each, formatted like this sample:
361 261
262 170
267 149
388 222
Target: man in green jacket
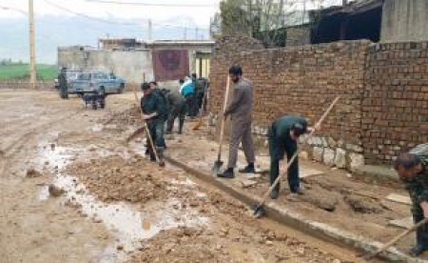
177 108
283 135
155 114
62 81
412 168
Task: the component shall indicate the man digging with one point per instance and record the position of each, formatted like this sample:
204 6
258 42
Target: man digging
283 135
155 114
240 110
412 168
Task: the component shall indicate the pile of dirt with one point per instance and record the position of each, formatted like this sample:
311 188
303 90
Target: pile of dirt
363 205
33 173
117 179
182 245
131 116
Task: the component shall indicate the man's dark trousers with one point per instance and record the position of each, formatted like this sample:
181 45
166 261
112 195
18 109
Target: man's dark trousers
278 146
156 128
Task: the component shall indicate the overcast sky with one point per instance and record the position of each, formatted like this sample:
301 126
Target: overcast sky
199 10
171 19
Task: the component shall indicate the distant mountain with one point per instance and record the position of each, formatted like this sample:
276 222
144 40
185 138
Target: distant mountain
54 31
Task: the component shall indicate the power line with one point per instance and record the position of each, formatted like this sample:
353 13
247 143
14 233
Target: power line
152 4
116 22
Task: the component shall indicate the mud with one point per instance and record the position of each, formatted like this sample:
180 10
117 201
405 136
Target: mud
117 179
114 205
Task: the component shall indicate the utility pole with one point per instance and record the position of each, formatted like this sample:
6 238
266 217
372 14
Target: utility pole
196 33
150 30
33 77
185 32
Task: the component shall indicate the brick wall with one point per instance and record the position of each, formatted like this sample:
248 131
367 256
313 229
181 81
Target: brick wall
395 105
302 80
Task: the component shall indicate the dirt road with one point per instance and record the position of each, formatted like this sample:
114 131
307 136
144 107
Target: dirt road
73 190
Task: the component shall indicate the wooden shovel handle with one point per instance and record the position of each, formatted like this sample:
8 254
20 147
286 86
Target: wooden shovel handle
266 195
397 238
223 119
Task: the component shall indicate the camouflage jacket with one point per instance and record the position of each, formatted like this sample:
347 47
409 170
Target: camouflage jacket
418 185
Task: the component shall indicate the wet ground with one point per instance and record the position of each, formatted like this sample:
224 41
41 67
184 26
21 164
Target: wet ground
332 196
73 190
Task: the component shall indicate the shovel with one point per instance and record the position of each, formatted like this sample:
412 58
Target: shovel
259 210
218 163
395 240
160 162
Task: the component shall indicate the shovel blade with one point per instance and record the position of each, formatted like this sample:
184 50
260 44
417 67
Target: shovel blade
216 167
259 211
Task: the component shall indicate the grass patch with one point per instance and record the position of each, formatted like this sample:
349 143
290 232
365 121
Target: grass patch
21 71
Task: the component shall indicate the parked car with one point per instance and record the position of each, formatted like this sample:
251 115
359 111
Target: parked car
70 75
103 83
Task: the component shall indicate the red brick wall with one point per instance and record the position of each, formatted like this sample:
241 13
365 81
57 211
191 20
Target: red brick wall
395 105
384 87
299 80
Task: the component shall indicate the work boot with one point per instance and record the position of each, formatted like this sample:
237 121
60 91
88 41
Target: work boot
249 169
274 194
300 190
417 250
160 152
180 127
228 173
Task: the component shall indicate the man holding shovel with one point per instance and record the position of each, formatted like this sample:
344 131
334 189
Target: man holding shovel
240 110
283 135
412 168
155 114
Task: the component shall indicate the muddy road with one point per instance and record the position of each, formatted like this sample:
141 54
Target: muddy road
73 190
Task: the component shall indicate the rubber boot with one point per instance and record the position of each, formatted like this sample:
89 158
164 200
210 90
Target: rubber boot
421 243
275 192
228 173
180 128
249 169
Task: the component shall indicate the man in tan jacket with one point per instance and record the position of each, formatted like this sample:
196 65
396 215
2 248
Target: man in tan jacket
240 110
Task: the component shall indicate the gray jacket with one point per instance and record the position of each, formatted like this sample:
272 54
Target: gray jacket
240 106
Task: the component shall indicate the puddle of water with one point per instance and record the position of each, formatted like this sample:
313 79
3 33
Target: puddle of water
127 225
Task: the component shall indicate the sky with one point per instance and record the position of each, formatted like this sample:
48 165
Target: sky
82 22
200 11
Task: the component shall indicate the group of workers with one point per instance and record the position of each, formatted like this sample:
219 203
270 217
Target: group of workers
162 106
165 106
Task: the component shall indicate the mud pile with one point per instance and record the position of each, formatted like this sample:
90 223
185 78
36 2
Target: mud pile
117 179
131 116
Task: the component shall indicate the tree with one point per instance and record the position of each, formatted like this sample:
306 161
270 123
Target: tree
266 20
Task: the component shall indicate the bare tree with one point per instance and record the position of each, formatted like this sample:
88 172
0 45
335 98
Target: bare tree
266 20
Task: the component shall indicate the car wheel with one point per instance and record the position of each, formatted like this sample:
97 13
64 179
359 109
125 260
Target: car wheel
121 88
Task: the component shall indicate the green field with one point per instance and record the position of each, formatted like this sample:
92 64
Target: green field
20 71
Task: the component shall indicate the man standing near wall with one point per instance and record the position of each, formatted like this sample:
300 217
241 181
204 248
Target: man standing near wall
241 110
412 168
283 135
62 81
177 109
187 90
155 113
